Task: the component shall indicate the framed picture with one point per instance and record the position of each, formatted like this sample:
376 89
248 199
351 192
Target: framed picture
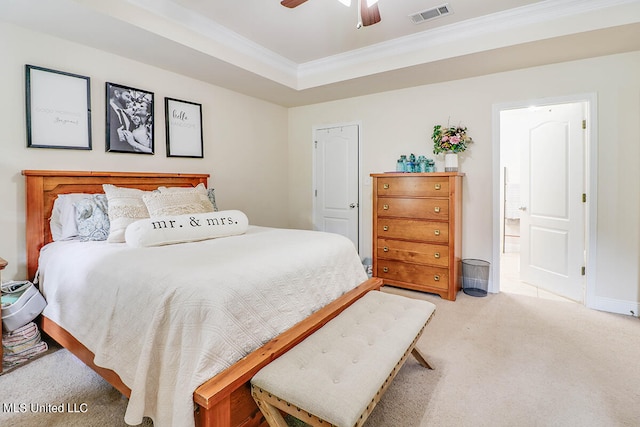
184 128
129 114
58 109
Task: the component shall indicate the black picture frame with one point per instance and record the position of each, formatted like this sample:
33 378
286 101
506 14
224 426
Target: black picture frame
183 121
58 108
129 120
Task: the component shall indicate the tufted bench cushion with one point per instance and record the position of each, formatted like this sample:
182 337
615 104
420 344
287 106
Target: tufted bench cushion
339 372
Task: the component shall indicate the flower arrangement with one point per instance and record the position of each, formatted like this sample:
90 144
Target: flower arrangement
450 140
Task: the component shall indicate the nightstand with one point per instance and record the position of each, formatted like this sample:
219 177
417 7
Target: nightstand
3 264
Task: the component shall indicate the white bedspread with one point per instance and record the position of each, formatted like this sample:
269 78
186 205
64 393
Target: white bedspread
168 318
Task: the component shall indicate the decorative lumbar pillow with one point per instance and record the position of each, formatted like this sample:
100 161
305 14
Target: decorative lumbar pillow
92 218
179 203
168 230
125 206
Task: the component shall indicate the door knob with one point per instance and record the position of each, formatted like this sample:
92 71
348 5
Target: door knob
353 205
522 208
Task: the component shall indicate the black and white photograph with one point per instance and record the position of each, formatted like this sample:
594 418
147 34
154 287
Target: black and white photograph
129 120
58 109
184 128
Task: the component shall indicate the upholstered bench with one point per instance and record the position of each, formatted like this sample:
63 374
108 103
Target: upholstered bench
338 374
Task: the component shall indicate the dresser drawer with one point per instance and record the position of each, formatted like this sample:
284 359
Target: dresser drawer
415 252
437 209
409 229
414 186
432 277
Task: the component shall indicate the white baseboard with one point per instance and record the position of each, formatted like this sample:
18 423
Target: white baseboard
614 306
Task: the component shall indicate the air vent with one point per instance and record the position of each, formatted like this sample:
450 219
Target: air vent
429 14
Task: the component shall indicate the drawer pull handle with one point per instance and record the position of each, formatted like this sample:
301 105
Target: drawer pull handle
385 207
385 269
436 232
437 209
385 186
437 255
385 228
436 278
386 249
437 186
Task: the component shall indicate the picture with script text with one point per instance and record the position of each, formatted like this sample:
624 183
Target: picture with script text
184 128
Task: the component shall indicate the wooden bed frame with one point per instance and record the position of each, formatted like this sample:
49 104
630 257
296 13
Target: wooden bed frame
222 401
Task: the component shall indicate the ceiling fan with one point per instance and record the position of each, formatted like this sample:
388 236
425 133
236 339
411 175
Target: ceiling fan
368 12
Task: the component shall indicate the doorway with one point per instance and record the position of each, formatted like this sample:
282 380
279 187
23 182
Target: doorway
336 194
544 180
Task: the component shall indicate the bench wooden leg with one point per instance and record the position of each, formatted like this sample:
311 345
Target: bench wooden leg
270 412
272 406
420 357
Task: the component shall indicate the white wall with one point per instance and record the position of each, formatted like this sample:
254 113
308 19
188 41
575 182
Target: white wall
245 139
401 121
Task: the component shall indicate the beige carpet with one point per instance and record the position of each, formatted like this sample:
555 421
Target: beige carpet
502 360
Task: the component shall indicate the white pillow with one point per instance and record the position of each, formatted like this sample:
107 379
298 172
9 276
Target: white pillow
125 206
179 203
169 230
63 216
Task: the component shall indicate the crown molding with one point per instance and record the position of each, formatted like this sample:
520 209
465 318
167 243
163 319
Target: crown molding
384 56
422 47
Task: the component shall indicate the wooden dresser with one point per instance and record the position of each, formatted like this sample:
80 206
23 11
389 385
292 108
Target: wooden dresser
417 231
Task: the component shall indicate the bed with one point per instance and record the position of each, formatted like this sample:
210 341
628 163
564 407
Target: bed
220 400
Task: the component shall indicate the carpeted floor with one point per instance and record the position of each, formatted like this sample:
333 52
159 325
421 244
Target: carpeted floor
502 360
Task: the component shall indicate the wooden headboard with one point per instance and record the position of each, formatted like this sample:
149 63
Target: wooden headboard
44 186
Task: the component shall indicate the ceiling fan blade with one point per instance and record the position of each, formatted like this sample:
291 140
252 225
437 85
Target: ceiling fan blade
292 3
370 15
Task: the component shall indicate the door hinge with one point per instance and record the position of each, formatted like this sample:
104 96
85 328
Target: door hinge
584 124
316 192
316 144
583 270
584 197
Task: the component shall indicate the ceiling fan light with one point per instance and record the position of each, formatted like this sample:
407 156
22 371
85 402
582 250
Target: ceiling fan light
370 2
345 2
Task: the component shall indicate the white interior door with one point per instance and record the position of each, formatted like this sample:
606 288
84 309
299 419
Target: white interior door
552 218
336 207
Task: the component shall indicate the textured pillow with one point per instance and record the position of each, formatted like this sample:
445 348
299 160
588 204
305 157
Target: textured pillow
63 216
200 189
169 230
125 206
180 203
92 218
